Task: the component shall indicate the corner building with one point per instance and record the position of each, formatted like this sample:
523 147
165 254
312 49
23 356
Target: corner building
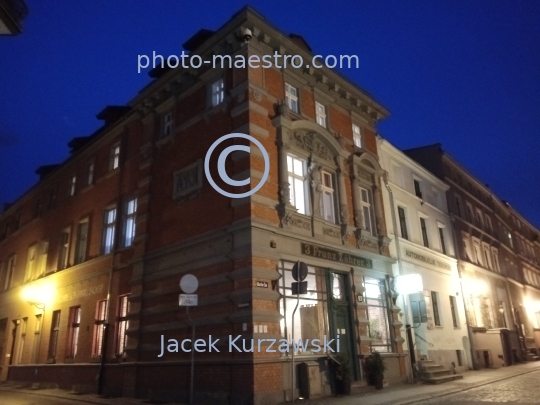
110 232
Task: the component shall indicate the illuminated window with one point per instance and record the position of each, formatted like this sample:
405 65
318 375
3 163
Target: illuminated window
73 332
99 328
122 324
55 330
22 341
377 313
129 222
114 159
37 339
320 112
108 230
367 209
327 198
357 136
63 253
298 184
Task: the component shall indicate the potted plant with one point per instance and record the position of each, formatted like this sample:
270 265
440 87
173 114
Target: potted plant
374 367
343 374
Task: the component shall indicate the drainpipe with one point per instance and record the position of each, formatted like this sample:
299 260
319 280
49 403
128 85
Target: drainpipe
410 367
114 250
465 306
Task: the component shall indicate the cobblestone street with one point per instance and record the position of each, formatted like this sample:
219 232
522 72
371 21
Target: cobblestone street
523 389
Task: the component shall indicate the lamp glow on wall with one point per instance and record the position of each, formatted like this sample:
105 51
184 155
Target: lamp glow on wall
409 284
39 295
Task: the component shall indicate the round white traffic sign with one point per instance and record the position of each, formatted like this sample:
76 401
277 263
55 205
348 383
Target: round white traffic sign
189 284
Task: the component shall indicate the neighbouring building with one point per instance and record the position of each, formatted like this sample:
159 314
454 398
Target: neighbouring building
498 263
92 255
12 12
422 242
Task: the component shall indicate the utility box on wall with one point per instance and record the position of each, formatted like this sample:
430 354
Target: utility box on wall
309 377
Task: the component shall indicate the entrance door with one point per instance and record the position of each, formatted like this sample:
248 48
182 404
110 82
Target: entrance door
339 311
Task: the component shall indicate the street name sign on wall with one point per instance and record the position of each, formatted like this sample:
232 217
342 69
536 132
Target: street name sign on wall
188 300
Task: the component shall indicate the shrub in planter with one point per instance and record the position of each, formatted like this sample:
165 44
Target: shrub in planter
374 368
342 373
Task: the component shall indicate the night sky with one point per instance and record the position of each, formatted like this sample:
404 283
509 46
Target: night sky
466 74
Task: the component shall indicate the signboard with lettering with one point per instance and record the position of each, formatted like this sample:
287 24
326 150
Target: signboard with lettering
262 284
336 256
426 259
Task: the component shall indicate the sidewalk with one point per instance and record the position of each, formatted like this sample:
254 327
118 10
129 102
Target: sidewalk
413 393
397 395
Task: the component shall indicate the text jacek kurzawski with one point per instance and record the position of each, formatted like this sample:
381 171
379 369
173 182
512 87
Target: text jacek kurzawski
236 343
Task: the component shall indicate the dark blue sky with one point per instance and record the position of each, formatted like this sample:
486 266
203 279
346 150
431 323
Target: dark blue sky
466 74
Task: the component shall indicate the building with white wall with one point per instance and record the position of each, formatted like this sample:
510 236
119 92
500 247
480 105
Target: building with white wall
422 242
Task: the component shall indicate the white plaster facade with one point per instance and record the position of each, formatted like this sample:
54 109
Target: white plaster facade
423 243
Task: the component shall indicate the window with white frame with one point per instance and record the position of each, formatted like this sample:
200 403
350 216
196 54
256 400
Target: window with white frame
22 343
495 256
114 159
467 247
10 269
423 228
43 255
63 253
218 92
435 303
357 136
108 230
479 218
31 263
298 184
478 251
403 222
442 238
291 97
168 124
367 209
489 226
327 198
458 205
454 311
417 188
99 328
37 338
55 331
320 113
469 212
487 256
129 221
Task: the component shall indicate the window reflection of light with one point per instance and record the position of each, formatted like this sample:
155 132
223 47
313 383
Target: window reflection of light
372 291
